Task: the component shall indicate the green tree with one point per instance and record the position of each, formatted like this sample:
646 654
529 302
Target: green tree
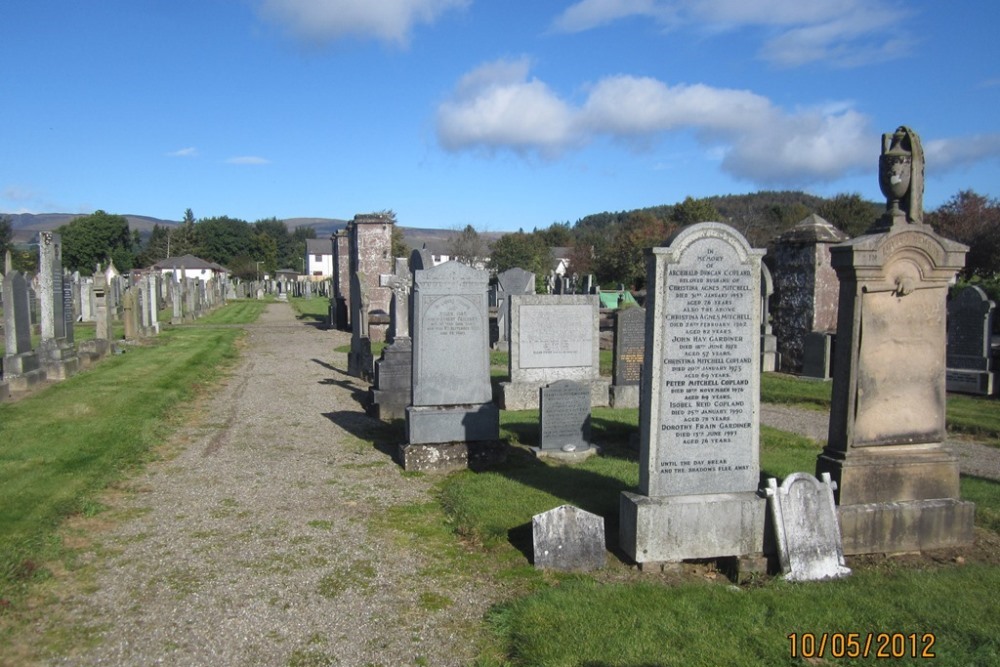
974 220
183 239
557 235
156 247
95 238
284 246
220 239
399 246
693 210
527 251
467 246
623 259
850 213
6 235
266 251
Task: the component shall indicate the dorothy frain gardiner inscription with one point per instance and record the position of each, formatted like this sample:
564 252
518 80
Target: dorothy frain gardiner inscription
706 401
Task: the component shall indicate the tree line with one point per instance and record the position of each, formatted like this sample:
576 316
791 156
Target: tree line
612 245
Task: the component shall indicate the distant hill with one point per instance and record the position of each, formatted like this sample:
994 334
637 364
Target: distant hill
27 225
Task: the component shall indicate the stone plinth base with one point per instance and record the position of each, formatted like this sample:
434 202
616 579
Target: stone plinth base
93 350
24 381
560 456
524 395
387 405
392 392
454 423
676 528
452 455
769 357
981 383
4 391
889 474
896 527
624 396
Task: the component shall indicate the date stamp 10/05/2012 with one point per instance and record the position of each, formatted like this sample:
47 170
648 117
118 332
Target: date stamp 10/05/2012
861 644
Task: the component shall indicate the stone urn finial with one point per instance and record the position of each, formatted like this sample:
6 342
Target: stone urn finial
901 177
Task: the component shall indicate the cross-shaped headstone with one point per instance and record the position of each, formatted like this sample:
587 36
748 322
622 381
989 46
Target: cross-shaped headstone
400 282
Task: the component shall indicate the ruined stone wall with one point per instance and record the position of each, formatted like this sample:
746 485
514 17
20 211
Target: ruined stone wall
370 243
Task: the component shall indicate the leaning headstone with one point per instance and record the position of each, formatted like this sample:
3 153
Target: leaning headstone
897 484
552 338
568 538
699 418
564 409
970 331
453 421
805 521
626 362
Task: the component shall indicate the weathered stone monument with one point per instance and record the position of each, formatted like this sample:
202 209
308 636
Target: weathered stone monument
511 281
21 367
699 421
56 349
769 357
552 338
452 421
897 484
391 393
805 521
568 538
806 290
970 332
340 299
369 244
626 362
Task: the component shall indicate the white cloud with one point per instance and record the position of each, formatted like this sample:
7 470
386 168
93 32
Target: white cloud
191 151
247 159
843 33
327 20
961 152
499 107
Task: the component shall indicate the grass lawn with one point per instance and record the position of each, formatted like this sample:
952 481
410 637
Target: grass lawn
63 445
616 618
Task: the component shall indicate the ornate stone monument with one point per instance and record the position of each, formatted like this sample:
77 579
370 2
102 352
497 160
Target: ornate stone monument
391 393
699 419
897 483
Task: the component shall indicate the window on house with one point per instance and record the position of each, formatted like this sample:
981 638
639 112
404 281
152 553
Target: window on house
318 258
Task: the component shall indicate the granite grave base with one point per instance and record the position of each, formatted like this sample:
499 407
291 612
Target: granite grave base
907 526
524 395
436 424
562 456
624 396
444 456
665 529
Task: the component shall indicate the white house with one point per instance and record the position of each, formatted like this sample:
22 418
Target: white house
189 266
319 258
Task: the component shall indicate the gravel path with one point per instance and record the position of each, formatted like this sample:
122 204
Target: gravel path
259 543
973 458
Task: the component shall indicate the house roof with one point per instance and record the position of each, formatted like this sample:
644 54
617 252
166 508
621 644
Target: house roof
186 262
319 246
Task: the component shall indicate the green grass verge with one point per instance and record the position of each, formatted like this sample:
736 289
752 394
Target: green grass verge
629 625
63 445
243 311
316 309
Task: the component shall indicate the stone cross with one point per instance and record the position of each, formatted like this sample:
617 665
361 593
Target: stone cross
401 283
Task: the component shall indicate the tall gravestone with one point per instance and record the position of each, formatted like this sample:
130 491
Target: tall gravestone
553 337
341 298
970 332
391 393
806 288
452 421
626 362
699 422
21 367
897 483
769 357
57 352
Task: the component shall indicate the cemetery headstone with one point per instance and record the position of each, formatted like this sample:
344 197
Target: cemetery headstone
568 538
626 362
564 408
553 337
56 348
452 422
970 331
699 418
769 357
897 485
511 281
805 521
21 367
392 391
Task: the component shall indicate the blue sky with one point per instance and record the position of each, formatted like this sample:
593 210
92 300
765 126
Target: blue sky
502 115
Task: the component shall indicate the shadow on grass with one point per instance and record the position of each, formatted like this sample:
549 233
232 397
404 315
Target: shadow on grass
385 436
359 395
